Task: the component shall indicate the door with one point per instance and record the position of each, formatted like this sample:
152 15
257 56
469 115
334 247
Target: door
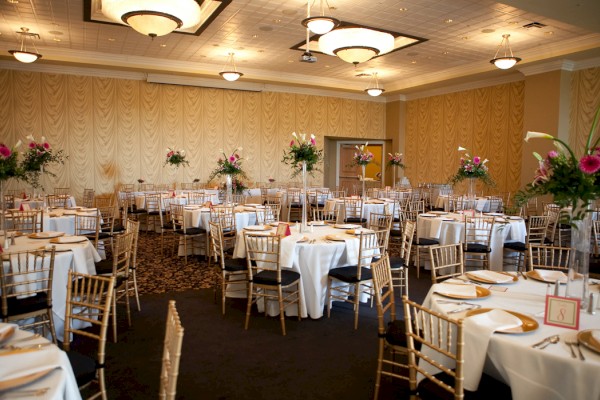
348 175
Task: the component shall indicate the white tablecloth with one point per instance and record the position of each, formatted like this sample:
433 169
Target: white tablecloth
481 203
80 257
313 262
550 374
452 231
60 379
370 206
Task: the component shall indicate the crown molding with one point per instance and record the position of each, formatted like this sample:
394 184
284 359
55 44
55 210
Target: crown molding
563 65
585 64
70 70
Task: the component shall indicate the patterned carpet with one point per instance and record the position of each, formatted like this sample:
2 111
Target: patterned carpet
158 274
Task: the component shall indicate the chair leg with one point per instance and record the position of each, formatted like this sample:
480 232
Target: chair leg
114 318
249 305
281 309
379 369
135 290
356 304
51 325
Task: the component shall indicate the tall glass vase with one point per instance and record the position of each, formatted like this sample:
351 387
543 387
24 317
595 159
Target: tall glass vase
2 207
228 189
364 192
471 193
394 176
579 265
304 223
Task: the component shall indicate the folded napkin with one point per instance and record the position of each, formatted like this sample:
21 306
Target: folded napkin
596 334
465 291
6 331
478 330
492 276
47 234
551 276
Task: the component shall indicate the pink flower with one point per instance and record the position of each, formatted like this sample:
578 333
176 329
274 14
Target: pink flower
5 151
291 143
231 159
170 154
589 164
476 160
32 145
46 145
552 154
462 161
541 175
313 141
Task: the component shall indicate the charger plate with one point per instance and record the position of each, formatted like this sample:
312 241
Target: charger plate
529 323
45 235
480 293
587 339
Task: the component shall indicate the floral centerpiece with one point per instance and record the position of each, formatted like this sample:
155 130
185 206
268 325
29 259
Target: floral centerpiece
8 162
35 160
229 165
573 183
395 160
237 186
472 168
362 156
176 157
302 150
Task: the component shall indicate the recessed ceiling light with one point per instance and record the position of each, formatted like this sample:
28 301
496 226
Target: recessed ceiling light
328 66
163 45
413 62
12 1
111 39
549 33
513 22
290 61
57 39
402 9
277 21
446 53
448 21
254 36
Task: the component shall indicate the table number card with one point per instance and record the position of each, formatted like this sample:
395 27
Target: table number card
283 230
562 311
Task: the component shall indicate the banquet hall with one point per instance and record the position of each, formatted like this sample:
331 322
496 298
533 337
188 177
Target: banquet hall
117 92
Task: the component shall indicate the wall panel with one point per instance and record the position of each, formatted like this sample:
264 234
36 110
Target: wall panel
585 100
116 131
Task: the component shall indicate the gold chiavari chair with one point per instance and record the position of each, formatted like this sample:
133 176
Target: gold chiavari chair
549 257
88 198
171 354
294 204
30 221
537 227
446 262
477 240
187 233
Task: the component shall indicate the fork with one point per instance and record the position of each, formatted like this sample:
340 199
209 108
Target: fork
458 303
575 344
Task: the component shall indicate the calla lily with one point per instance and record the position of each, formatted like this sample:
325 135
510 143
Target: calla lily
537 135
18 144
30 137
460 148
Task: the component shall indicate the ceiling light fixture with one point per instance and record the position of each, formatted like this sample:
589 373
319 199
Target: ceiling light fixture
508 60
229 72
356 45
320 24
153 17
23 55
374 89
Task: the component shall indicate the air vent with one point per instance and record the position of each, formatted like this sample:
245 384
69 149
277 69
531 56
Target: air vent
362 75
534 25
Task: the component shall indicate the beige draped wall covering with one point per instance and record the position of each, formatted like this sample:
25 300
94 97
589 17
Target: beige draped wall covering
487 121
116 130
585 100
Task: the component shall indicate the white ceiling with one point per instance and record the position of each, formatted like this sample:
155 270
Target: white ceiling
261 32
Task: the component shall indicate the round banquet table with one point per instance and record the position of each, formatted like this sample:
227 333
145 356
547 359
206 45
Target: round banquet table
313 261
56 378
534 374
80 257
449 229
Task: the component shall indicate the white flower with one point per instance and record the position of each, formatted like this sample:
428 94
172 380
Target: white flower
484 161
294 135
43 139
30 137
18 144
182 152
312 136
536 135
460 148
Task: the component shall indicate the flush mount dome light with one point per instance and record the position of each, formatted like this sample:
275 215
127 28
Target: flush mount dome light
356 45
153 17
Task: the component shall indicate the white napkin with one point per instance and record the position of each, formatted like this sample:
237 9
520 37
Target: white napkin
492 276
478 330
596 334
5 330
455 290
551 276
47 234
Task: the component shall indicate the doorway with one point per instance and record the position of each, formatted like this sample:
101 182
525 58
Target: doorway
349 175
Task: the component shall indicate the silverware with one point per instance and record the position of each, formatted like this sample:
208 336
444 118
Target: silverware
32 337
473 307
548 339
28 347
553 340
458 303
15 394
570 344
576 345
523 275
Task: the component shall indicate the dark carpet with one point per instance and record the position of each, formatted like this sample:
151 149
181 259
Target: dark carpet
318 359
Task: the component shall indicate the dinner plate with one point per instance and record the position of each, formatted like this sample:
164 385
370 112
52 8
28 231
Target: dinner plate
68 239
438 212
23 380
258 227
448 219
481 293
346 226
336 238
495 214
587 339
427 215
483 280
536 276
529 323
45 235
